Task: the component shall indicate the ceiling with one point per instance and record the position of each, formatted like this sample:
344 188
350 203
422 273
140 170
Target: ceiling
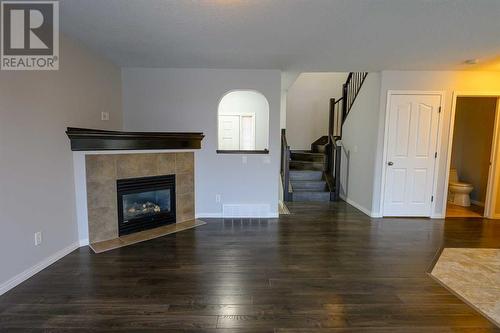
290 35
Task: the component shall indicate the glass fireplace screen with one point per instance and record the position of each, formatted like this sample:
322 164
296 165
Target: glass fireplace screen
145 204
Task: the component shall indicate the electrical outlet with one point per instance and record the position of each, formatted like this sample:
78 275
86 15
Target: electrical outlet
105 116
38 238
217 198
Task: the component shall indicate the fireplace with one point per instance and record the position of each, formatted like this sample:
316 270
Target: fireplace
145 203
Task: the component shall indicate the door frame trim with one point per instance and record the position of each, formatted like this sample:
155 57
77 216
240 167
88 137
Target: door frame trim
492 175
439 134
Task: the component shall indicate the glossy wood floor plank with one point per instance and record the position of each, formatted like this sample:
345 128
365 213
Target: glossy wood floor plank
324 268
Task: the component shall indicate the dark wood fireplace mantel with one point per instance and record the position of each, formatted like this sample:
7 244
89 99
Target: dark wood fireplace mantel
92 139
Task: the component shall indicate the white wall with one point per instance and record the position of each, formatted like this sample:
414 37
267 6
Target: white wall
359 141
239 103
308 107
431 81
287 79
187 100
36 164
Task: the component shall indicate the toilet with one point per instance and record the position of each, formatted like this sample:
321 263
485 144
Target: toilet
458 192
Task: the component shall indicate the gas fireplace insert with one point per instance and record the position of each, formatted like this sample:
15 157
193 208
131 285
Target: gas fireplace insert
145 203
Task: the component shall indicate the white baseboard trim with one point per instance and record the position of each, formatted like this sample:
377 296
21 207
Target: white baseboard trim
357 206
84 242
247 211
219 215
231 211
270 216
208 215
379 214
23 276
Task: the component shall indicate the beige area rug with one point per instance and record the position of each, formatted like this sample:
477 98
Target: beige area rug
474 276
145 235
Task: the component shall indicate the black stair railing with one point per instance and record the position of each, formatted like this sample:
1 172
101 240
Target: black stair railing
339 110
350 91
333 157
285 166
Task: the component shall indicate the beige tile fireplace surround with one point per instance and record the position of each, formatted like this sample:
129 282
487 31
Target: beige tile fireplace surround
102 171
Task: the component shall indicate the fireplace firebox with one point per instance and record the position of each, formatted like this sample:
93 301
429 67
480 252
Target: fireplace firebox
145 203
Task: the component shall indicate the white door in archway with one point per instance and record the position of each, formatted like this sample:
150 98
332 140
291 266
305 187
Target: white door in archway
247 131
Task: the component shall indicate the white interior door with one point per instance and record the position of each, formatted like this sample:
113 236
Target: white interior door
411 148
229 132
247 131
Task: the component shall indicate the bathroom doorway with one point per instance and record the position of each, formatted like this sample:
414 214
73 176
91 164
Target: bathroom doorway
471 178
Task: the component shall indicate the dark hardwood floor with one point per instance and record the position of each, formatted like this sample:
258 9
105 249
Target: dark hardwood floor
325 268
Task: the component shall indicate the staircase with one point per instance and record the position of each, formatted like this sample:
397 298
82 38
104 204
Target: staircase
314 175
307 173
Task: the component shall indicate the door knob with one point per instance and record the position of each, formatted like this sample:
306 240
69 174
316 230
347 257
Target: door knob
390 163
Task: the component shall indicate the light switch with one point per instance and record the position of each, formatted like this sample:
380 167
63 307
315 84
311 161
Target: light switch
104 116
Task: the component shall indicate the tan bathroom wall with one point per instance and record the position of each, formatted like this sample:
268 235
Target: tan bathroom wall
472 139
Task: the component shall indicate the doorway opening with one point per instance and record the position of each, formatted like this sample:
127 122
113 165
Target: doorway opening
471 167
243 123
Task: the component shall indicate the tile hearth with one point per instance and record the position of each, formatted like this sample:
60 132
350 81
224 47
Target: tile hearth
145 235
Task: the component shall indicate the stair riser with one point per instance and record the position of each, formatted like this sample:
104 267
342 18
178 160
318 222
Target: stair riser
307 157
298 165
306 175
311 196
318 149
310 186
